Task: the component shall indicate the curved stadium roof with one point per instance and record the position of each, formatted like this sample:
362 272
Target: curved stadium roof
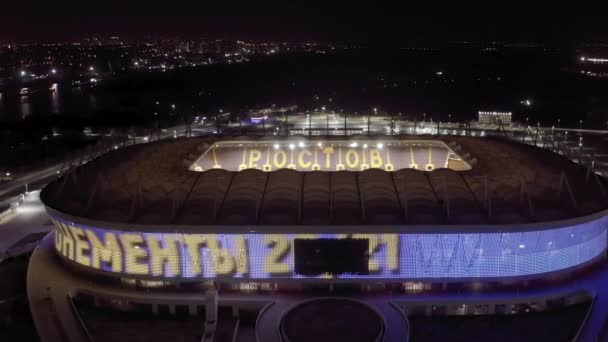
151 184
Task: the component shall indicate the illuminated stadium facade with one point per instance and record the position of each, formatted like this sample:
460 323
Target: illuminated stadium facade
268 255
240 214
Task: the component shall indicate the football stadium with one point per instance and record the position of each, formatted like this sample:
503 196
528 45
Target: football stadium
362 238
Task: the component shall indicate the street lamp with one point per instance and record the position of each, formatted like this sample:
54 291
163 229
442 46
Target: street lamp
287 122
369 120
345 124
326 123
309 124
22 73
580 124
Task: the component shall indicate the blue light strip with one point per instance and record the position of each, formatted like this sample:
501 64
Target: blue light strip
404 256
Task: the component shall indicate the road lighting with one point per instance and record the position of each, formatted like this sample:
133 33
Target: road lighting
22 73
54 71
580 124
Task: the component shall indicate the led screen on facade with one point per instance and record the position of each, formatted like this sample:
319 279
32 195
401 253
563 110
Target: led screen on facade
405 256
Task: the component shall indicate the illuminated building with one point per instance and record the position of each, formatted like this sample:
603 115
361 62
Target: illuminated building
201 223
494 118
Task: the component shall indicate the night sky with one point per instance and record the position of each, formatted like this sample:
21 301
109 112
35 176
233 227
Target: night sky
368 21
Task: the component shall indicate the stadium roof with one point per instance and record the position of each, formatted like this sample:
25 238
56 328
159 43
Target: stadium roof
150 184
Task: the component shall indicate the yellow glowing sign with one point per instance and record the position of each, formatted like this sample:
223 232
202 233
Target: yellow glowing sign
167 255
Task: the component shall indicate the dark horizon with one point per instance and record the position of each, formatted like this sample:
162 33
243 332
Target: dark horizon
66 20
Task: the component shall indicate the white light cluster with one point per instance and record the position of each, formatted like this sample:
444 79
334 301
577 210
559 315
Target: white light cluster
496 113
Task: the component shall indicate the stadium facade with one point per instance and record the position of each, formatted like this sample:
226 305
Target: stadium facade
204 222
